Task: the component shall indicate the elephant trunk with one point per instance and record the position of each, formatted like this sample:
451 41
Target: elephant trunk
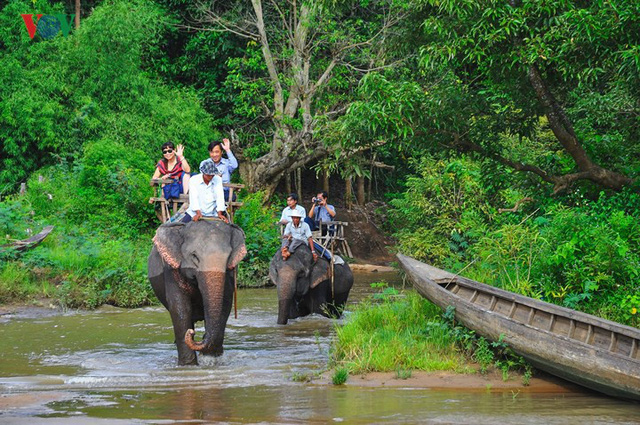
217 305
197 346
284 306
287 280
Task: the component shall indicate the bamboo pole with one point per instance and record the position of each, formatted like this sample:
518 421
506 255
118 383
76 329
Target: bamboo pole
235 291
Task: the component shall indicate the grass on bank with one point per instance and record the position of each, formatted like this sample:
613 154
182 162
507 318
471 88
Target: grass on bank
79 271
87 262
405 332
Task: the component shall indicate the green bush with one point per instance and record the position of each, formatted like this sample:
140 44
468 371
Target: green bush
578 251
93 86
396 333
262 239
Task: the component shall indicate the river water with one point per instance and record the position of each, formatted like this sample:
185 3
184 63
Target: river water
119 366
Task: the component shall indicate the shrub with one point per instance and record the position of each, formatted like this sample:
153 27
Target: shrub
262 237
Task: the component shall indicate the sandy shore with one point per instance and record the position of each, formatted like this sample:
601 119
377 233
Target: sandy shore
491 381
371 268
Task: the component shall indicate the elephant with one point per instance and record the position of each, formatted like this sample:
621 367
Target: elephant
191 270
304 287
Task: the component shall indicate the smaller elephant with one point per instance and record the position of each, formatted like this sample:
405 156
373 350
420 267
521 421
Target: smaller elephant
305 286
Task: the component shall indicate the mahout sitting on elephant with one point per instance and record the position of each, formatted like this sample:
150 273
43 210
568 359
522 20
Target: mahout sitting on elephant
305 286
190 268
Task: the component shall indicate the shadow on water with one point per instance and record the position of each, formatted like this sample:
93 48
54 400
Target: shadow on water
117 364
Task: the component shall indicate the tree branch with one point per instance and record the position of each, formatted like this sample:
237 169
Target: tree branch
268 57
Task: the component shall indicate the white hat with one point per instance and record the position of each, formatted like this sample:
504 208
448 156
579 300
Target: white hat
296 213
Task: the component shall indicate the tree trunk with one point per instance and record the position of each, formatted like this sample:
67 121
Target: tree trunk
77 18
298 173
287 183
370 181
563 130
348 194
325 181
360 190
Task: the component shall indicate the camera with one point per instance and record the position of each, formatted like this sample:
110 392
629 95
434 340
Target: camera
316 201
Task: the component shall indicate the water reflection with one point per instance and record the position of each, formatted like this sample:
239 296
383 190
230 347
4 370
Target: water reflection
121 364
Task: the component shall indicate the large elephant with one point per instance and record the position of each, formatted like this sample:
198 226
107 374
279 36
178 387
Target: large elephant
191 271
305 287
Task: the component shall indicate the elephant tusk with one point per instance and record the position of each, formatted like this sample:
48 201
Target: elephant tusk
188 339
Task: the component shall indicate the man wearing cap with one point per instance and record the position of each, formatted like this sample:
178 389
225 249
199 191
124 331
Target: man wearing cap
295 234
292 205
206 198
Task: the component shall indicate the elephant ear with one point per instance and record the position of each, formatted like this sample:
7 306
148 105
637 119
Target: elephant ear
273 269
168 241
238 248
321 271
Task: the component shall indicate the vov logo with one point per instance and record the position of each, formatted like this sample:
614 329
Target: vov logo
47 26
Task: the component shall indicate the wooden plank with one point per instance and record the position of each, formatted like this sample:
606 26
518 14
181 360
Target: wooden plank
473 297
614 340
572 328
589 338
493 303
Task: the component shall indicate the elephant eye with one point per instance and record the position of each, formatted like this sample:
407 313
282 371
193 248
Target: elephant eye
196 259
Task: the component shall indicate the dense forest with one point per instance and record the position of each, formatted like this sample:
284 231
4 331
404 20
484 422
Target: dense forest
501 137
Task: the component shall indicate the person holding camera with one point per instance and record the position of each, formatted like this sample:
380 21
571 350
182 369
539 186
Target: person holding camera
320 211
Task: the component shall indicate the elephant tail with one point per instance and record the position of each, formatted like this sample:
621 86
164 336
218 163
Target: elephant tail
192 344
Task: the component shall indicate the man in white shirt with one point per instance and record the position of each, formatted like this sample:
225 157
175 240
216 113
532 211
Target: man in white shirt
292 205
206 198
295 234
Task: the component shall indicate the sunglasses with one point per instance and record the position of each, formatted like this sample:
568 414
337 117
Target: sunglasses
167 151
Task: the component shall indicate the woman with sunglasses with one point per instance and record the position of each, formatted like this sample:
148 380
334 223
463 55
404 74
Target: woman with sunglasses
173 165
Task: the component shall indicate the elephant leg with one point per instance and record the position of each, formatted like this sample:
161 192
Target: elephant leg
300 308
180 309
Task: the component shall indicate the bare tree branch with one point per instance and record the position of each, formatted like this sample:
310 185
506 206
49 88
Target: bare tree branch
268 57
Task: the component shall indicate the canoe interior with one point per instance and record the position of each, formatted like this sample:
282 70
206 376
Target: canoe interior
615 342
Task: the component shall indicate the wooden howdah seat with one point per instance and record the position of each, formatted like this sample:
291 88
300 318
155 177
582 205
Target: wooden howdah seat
333 241
181 204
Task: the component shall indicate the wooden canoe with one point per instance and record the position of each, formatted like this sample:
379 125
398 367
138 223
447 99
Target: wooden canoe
32 241
590 351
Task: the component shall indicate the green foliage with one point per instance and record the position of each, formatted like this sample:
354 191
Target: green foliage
483 354
262 237
80 269
487 354
442 210
90 87
403 374
14 220
577 251
340 376
395 333
408 333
